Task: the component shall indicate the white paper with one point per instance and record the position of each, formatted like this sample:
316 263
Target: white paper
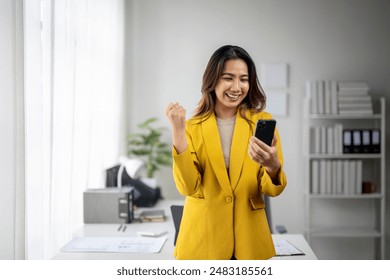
285 248
115 244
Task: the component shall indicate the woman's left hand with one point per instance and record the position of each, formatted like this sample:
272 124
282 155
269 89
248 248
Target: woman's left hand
265 155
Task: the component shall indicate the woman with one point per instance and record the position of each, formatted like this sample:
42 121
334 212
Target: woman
223 170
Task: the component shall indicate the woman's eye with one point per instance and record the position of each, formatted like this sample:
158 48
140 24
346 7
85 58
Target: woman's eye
227 79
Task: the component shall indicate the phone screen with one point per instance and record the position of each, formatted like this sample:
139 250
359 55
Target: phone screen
265 131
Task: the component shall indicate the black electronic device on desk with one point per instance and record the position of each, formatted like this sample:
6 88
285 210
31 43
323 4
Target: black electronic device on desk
144 196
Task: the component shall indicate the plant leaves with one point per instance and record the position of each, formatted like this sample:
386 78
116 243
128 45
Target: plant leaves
148 145
147 122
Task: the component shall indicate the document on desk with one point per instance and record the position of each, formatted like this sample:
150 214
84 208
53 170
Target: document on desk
115 244
285 248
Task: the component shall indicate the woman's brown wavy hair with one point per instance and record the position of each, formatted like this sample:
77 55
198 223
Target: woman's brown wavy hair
254 101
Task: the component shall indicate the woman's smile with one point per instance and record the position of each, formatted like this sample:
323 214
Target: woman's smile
233 97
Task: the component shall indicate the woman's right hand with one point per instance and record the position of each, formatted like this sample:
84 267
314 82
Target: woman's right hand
176 115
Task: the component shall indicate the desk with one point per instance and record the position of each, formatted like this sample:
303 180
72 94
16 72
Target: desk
166 253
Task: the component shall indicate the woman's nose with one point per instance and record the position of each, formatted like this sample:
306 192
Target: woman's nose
235 86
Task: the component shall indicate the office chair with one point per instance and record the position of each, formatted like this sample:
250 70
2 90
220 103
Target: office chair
177 213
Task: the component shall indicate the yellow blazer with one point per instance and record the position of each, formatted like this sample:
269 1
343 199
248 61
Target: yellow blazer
223 213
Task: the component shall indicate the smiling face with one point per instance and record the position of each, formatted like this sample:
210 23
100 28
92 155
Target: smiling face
232 87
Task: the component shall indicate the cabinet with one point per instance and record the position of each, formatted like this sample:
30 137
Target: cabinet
337 217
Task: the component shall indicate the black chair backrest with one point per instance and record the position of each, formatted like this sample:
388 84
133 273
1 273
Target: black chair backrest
177 213
268 211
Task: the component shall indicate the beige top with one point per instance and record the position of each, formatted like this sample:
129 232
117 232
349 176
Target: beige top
226 128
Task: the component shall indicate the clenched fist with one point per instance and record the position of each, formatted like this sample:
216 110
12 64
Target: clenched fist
176 115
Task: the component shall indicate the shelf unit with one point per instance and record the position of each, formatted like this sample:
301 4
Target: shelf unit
351 215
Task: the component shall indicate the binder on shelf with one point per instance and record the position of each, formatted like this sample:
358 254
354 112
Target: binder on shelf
346 177
334 95
376 141
352 177
334 177
366 141
347 141
356 141
323 140
339 175
317 140
327 98
323 178
315 135
315 188
359 177
330 140
329 181
338 132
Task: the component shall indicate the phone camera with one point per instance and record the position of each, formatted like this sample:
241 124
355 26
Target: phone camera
262 125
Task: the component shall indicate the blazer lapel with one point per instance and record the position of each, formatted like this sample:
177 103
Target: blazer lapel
239 149
214 151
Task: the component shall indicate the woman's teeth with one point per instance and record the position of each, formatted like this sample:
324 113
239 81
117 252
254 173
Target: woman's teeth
232 96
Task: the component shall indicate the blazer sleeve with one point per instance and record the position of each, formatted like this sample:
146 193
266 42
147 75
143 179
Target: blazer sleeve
187 170
269 187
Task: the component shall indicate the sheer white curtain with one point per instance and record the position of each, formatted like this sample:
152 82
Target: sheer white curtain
74 111
12 218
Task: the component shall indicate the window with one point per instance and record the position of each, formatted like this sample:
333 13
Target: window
74 112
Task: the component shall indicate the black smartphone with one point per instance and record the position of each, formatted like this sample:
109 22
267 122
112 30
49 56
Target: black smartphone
265 131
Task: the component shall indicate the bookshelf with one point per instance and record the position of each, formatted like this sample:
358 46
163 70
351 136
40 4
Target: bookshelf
334 210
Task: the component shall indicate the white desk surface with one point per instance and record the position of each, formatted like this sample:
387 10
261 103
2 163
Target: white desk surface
166 253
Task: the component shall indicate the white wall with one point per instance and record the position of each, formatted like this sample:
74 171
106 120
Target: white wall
172 40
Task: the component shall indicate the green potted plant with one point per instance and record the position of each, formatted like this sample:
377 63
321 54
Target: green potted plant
148 146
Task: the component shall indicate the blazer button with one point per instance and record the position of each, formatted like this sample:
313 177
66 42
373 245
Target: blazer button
228 199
